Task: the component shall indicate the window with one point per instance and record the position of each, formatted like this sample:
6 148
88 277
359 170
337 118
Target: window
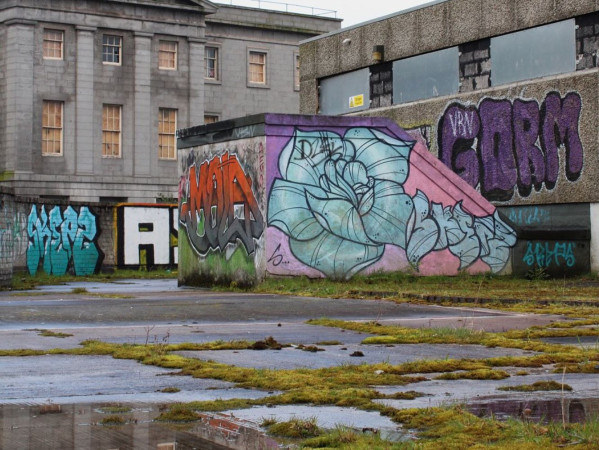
111 49
52 128
167 126
427 75
210 118
296 72
53 44
345 93
167 55
257 67
536 52
111 131
211 63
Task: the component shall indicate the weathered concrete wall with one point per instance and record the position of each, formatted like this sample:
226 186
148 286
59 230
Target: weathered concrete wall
222 212
82 239
344 196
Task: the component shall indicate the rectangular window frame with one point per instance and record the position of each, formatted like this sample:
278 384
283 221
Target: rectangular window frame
52 127
112 128
112 49
253 64
167 138
53 39
296 71
168 54
211 118
542 51
212 74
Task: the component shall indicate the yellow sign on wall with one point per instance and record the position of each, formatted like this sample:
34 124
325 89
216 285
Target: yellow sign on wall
356 100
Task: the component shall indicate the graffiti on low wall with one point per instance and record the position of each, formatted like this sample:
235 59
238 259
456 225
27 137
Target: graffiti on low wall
503 146
147 235
341 203
62 240
218 206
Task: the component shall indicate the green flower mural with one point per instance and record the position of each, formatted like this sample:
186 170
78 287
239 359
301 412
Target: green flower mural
341 200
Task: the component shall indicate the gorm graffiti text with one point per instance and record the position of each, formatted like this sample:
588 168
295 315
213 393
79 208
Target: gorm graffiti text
502 145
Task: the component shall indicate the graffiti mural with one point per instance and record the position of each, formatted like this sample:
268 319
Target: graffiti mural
503 146
147 235
218 206
341 202
546 254
62 240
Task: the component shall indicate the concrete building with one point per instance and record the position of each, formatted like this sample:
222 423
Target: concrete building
92 91
503 92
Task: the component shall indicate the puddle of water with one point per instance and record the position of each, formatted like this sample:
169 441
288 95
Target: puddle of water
81 427
555 410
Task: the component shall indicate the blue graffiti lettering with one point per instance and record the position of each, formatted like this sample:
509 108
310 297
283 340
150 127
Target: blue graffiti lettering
530 215
544 254
62 241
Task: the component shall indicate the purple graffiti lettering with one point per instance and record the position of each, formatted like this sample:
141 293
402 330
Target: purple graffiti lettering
529 157
560 127
501 145
497 157
458 134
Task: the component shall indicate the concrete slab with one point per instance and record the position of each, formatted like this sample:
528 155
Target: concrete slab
65 379
339 355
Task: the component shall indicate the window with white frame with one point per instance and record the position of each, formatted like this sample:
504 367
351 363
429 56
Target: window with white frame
211 63
52 128
167 127
167 55
256 67
112 46
111 131
53 44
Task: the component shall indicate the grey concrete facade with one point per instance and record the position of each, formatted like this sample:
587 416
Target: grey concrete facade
84 83
478 130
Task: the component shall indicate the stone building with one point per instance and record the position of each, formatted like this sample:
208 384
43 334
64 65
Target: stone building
92 91
502 92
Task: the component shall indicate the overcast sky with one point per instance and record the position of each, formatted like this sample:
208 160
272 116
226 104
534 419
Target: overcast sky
351 11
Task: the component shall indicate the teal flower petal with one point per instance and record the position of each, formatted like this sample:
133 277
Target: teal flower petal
339 217
303 158
386 210
288 210
335 257
355 173
468 249
423 231
385 157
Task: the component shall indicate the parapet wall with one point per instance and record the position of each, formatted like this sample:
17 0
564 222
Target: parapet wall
286 195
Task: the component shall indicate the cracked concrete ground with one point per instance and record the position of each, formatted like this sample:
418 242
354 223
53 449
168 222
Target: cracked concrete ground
157 311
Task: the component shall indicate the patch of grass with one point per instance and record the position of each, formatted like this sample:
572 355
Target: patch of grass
537 386
479 374
23 281
114 409
79 290
112 420
170 390
179 413
295 428
49 333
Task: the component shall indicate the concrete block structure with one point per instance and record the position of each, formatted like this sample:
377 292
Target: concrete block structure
325 196
504 93
92 91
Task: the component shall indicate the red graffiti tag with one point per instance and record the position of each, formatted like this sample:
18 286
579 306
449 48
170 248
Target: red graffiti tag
218 206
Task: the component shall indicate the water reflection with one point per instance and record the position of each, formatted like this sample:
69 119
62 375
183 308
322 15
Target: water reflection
88 427
569 410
